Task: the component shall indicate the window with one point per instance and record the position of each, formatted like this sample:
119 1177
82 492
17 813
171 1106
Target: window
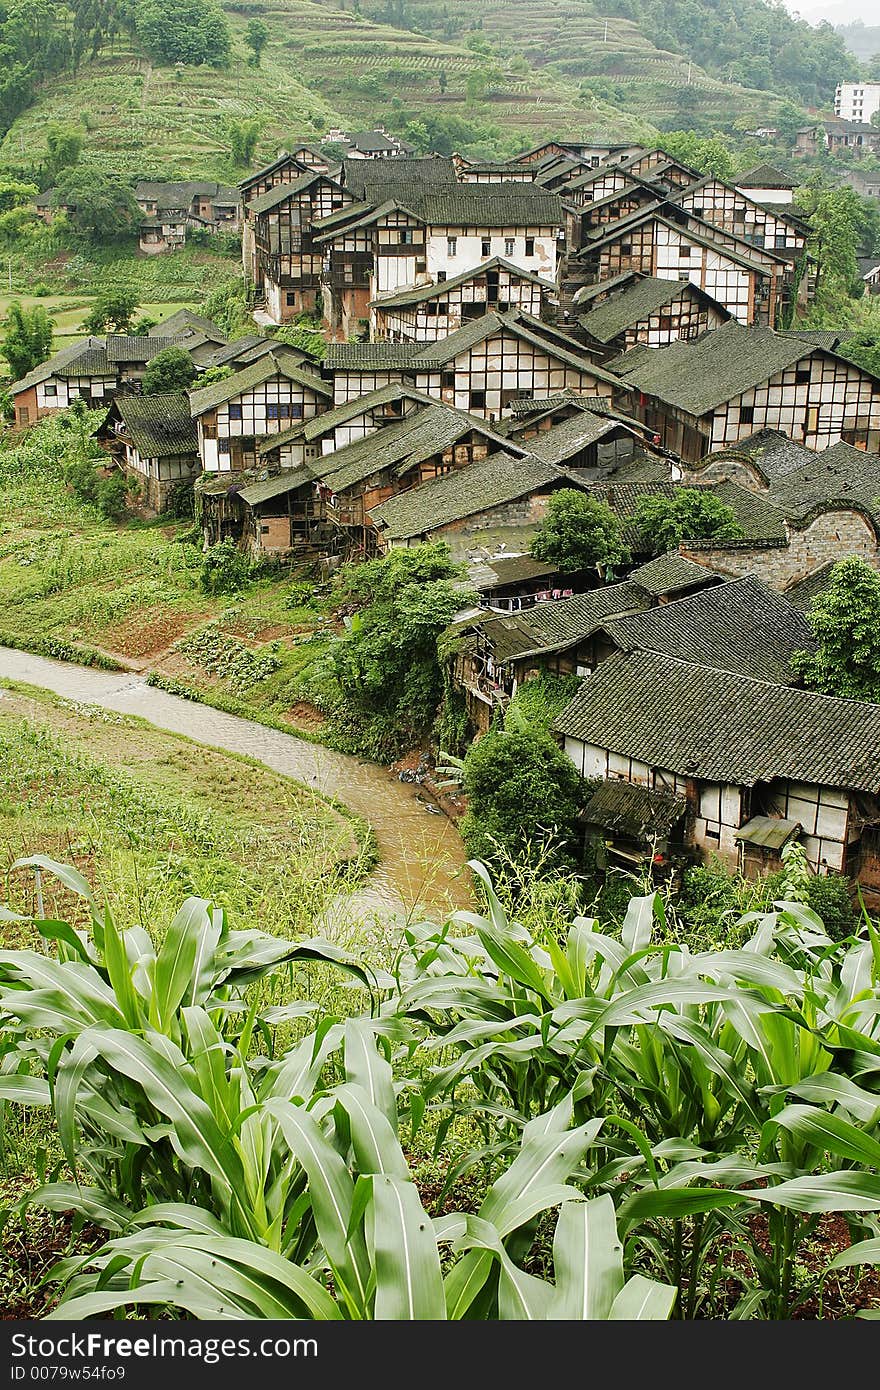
486 246
802 375
24 415
447 379
746 414
235 412
509 246
441 276
478 400
50 389
811 420
684 252
290 299
530 246
223 446
626 248
698 209
451 245
422 266
273 412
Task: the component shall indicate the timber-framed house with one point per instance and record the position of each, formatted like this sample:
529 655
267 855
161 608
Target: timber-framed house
615 316
287 262
233 415
429 312
720 388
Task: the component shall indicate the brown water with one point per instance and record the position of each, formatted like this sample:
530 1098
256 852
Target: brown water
421 866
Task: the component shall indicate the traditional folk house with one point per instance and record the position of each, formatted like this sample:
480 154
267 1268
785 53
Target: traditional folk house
672 576
481 368
332 496
131 353
285 169
752 283
287 260
195 334
644 309
508 583
341 425
737 212
594 444
155 442
757 762
764 184
429 312
82 371
496 654
233 415
498 504
486 171
425 234
171 209
720 388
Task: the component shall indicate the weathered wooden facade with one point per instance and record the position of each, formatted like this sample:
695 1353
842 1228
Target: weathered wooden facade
739 750
155 442
703 395
78 372
233 415
430 312
287 262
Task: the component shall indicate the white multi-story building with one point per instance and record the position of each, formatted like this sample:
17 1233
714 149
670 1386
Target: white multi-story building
857 101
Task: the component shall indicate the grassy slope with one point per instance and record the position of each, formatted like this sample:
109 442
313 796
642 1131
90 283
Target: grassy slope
319 62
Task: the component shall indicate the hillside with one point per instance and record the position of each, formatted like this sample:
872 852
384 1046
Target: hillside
548 72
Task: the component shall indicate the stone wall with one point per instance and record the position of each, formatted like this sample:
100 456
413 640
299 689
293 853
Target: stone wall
830 536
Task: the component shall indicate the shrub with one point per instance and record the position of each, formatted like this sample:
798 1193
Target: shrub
225 568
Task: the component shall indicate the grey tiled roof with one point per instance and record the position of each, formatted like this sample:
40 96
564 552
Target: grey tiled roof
699 375
273 197
472 204
86 358
439 290
802 593
563 441
184 322
159 425
125 347
720 727
758 519
739 626
487 483
764 176
553 626
636 304
207 397
671 573
634 811
383 355
841 476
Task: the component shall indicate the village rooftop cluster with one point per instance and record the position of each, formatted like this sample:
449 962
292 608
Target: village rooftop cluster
589 317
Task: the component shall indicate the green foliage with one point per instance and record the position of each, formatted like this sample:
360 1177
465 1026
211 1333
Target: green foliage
101 207
27 338
227 307
579 532
172 369
706 156
214 374
691 514
63 149
256 36
225 568
538 702
184 31
387 665
243 137
846 620
523 798
304 334
836 219
15 194
112 311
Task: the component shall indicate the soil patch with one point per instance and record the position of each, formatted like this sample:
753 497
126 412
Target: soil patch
148 632
302 715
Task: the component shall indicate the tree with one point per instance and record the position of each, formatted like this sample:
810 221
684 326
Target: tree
836 219
63 148
256 36
243 137
523 792
707 156
184 31
227 307
172 369
14 194
112 311
100 206
387 665
691 514
846 620
579 532
27 340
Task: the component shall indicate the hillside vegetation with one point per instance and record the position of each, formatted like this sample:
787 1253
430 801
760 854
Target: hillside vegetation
531 70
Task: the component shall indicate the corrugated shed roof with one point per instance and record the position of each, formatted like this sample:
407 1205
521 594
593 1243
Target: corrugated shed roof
722 727
489 482
159 425
739 626
699 375
635 812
